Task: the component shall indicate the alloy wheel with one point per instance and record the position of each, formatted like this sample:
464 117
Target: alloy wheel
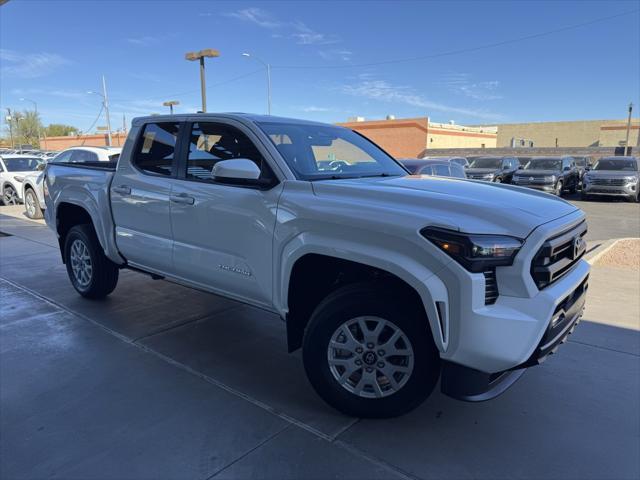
370 357
81 263
30 203
9 196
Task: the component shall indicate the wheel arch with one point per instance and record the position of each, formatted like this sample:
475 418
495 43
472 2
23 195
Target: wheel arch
324 264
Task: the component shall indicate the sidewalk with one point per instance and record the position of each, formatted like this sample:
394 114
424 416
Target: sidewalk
160 381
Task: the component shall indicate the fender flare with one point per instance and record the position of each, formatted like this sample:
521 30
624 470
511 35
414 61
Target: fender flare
431 290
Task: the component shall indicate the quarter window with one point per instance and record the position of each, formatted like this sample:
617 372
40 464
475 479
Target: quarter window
156 147
63 157
210 143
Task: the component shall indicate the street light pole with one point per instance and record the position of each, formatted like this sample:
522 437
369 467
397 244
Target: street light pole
201 55
268 67
170 104
626 143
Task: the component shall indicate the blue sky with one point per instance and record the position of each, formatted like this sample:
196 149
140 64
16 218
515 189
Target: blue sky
54 52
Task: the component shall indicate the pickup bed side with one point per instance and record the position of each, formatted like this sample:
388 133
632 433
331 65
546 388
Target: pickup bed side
80 191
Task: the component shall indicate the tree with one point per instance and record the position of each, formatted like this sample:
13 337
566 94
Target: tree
60 130
26 127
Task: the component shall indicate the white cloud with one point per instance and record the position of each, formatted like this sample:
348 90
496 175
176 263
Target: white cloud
313 108
256 16
145 41
461 84
383 91
307 36
344 55
30 65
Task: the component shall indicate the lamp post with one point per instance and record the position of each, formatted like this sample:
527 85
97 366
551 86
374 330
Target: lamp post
268 67
201 55
105 102
170 104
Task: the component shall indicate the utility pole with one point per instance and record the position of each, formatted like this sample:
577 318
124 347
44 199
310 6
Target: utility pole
106 109
626 143
9 120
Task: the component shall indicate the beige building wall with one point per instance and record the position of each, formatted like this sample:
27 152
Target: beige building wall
615 135
567 134
456 136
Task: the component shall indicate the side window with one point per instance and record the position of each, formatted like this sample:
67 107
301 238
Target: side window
442 170
155 150
210 143
426 171
81 156
63 157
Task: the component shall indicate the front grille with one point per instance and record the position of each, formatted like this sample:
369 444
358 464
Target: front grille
617 182
558 255
530 181
490 287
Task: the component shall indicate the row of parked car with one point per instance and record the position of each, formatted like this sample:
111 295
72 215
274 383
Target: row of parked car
21 173
609 176
21 178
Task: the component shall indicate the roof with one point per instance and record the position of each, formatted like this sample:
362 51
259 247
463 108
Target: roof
244 117
96 149
419 162
17 155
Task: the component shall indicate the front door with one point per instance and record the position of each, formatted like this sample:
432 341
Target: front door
223 234
140 193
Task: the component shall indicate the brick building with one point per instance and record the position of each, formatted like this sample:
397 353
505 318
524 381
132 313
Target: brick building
96 140
413 137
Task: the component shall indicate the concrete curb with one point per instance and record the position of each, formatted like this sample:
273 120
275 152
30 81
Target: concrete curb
594 256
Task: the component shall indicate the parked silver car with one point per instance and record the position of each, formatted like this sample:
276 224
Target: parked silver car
615 176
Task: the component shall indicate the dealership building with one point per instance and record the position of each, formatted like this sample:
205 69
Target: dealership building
414 137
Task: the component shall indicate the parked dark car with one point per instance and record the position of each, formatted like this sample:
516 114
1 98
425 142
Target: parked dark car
437 168
493 169
615 176
549 174
582 163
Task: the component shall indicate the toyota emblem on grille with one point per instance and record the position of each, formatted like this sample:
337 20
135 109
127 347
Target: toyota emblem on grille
578 246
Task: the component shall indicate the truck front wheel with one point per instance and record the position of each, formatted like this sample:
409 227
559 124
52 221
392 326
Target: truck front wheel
368 352
91 273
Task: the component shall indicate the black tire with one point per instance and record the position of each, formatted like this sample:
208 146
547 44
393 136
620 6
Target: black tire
498 180
9 195
104 273
371 299
584 196
559 188
574 188
31 199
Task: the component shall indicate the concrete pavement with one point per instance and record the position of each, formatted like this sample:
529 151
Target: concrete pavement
160 381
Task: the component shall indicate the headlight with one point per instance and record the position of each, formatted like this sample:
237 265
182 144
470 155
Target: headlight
488 176
476 253
631 179
19 179
550 179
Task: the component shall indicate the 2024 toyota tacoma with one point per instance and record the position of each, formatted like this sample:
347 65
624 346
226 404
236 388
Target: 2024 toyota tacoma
387 281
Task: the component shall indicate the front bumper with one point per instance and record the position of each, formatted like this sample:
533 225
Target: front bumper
544 187
628 190
465 383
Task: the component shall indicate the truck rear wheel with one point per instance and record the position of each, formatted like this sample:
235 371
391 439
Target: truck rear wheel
368 352
91 273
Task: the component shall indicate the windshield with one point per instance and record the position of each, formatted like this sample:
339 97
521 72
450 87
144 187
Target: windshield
629 165
544 164
317 152
24 164
486 162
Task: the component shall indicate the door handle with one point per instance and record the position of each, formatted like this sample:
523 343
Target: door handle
122 189
183 199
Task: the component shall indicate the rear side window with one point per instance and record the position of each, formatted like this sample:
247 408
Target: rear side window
155 150
81 156
441 170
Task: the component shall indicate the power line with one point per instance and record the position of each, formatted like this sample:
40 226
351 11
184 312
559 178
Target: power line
93 124
462 50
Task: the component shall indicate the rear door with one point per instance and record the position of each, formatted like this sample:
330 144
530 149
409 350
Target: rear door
140 193
223 233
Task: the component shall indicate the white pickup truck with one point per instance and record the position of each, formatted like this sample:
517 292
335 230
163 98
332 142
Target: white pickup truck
387 281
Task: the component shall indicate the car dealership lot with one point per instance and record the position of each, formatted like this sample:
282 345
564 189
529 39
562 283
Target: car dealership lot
165 382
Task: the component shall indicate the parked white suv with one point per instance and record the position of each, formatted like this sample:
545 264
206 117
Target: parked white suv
32 184
387 281
13 170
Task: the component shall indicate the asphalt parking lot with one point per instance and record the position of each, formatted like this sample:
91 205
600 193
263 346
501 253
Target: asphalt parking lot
160 381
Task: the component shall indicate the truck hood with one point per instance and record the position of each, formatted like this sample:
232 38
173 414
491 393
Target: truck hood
465 205
611 173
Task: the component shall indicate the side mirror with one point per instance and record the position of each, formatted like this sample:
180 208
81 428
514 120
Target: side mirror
238 171
588 167
41 166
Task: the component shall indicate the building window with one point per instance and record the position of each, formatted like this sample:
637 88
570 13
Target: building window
482 145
